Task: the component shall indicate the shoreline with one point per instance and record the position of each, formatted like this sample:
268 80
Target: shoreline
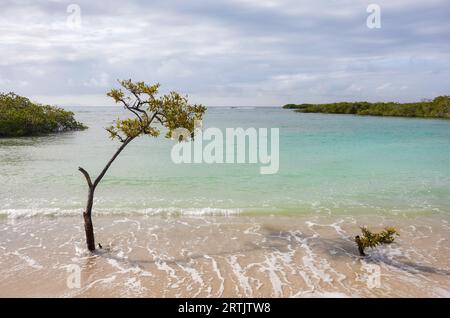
220 256
439 107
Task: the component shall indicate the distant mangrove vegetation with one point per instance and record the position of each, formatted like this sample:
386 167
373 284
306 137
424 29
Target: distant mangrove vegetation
436 108
21 117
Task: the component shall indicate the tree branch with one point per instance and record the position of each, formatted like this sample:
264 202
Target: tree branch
158 118
124 103
102 174
131 109
155 116
137 97
135 104
120 138
87 176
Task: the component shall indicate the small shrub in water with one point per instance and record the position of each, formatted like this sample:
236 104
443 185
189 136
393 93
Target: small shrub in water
369 239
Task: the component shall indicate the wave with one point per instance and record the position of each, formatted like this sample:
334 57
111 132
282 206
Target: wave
169 211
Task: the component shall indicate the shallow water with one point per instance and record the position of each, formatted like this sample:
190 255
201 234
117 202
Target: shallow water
330 164
224 257
225 230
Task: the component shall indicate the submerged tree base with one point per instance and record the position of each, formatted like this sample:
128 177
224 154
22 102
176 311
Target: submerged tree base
369 239
20 117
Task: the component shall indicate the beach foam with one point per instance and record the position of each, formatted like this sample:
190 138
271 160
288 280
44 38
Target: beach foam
219 256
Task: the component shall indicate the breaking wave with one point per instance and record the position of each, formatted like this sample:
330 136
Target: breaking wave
170 211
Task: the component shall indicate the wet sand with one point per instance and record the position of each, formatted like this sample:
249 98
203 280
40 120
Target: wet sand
218 256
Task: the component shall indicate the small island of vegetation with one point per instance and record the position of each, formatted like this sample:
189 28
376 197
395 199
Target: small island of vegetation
436 108
21 117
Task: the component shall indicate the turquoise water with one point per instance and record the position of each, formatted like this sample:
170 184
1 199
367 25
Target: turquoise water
329 164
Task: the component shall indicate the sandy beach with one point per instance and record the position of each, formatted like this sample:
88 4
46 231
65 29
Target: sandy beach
219 256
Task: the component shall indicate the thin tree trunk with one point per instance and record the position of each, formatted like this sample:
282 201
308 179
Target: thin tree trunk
87 214
88 226
102 174
360 246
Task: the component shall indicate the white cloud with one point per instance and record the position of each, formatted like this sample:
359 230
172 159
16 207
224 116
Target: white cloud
252 52
384 86
74 100
100 81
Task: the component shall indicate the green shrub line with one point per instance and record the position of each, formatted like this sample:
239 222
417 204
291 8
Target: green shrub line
21 117
436 108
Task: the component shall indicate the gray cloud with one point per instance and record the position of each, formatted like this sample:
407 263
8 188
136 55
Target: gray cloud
234 52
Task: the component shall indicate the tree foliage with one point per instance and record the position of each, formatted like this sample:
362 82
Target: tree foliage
21 117
437 108
172 111
370 239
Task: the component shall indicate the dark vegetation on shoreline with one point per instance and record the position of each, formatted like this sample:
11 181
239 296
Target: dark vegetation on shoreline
437 108
21 117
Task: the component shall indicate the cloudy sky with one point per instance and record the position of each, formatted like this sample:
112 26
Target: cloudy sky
226 52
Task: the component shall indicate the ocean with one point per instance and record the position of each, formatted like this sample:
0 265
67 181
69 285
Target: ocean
226 230
332 164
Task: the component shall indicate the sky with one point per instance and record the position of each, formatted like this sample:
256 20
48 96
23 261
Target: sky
226 52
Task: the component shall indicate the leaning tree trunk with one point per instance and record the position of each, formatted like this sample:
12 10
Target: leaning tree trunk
87 214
